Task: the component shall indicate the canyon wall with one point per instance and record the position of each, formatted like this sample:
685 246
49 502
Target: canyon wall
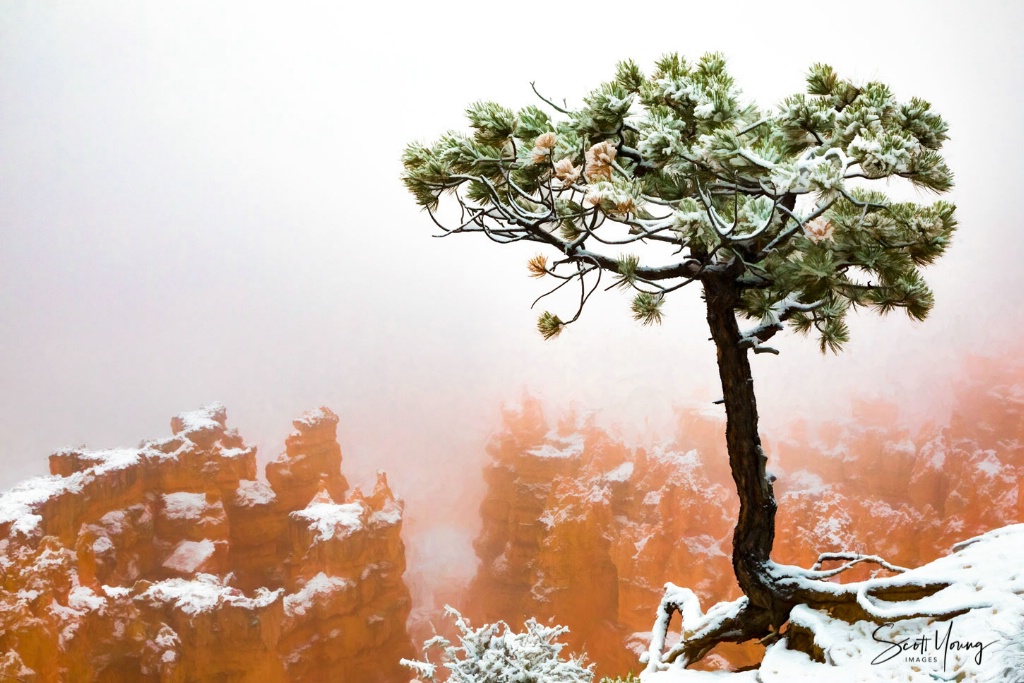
908 494
174 562
171 562
584 530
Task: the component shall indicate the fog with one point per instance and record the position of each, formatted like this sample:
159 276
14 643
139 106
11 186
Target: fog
201 201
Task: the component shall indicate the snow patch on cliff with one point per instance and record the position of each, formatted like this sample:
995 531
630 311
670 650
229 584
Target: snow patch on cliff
315 417
251 493
622 473
210 418
390 514
184 505
556 446
18 504
318 589
205 593
333 520
190 556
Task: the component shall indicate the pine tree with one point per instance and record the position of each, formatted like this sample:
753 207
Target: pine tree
664 180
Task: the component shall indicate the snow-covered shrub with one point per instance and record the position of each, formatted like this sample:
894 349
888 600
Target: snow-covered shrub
494 653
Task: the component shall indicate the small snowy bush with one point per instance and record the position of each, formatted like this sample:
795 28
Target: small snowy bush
495 654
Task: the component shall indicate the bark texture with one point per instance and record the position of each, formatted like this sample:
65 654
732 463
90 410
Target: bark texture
755 529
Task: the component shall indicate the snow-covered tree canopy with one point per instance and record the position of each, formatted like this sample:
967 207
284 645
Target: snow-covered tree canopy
663 179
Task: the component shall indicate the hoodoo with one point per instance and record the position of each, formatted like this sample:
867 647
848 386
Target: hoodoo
171 562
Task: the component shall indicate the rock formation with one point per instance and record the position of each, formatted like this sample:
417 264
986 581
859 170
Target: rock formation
580 528
868 485
172 562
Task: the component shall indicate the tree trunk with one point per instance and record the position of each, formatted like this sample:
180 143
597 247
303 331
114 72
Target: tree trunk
755 528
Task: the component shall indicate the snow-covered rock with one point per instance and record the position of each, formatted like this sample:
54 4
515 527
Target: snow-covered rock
170 562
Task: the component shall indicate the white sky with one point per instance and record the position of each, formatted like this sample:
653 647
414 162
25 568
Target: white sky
201 201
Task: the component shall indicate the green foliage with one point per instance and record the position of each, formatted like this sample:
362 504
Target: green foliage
630 678
627 266
532 122
677 156
493 123
629 77
549 325
672 65
647 308
604 112
822 80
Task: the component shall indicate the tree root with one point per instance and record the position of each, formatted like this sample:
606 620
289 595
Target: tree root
877 600
727 622
853 559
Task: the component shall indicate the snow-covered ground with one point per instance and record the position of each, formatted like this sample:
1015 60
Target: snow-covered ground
984 644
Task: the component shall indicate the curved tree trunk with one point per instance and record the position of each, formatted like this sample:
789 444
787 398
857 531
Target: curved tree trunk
755 528
771 591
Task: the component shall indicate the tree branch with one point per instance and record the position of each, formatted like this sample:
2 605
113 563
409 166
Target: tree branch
551 104
770 324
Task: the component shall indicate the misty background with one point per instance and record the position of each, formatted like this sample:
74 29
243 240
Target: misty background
202 201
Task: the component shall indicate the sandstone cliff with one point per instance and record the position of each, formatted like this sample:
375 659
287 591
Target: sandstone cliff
580 528
866 484
171 562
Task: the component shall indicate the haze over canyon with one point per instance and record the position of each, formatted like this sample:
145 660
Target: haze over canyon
144 563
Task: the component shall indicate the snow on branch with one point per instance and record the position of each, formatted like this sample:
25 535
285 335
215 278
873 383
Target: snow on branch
851 559
772 322
726 621
494 653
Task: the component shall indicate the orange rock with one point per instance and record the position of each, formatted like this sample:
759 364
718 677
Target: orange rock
582 530
171 563
312 456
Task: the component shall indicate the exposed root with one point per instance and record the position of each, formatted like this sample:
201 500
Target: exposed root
878 600
727 622
853 559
